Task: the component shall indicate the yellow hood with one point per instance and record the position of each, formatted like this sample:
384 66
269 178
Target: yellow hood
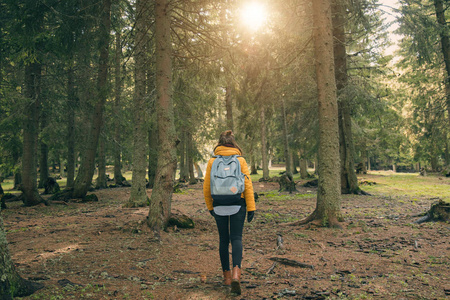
227 151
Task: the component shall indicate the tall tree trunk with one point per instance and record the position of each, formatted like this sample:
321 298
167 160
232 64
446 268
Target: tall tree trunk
287 156
445 45
86 170
62 166
160 202
43 158
71 102
30 133
138 196
264 150
118 177
303 167
364 158
328 206
43 164
11 284
229 107
101 171
184 156
349 182
294 162
190 161
152 154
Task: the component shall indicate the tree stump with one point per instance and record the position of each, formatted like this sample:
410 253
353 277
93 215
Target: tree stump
287 184
439 211
181 221
423 172
51 186
360 169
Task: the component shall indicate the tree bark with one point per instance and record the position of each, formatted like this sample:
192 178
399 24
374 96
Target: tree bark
303 168
43 158
30 133
229 107
160 202
184 169
118 177
349 181
327 212
71 102
138 196
86 170
153 154
287 157
264 151
101 171
190 161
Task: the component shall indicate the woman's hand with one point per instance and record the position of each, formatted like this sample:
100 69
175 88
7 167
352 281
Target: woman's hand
250 215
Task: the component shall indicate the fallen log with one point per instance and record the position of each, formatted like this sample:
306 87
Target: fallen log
291 262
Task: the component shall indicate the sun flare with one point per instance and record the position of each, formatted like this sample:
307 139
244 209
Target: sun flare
253 15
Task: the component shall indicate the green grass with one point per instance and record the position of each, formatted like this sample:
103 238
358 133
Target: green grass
275 172
407 184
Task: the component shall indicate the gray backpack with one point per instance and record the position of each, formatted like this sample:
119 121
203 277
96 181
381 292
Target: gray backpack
227 180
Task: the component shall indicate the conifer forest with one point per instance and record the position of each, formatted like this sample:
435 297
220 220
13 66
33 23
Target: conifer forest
111 109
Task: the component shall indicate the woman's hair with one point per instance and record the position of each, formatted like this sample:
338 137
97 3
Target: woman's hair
227 139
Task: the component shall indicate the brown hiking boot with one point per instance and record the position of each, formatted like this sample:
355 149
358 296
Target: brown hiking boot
236 281
227 277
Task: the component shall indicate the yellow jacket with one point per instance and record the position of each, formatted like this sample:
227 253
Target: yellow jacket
248 192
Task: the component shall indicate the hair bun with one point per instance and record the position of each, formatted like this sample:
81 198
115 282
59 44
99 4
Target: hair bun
229 132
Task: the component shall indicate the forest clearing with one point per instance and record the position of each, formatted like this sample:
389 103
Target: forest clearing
101 250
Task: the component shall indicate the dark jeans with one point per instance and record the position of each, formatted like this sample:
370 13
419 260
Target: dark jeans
230 229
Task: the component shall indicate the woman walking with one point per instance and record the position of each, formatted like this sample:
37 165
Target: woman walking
230 217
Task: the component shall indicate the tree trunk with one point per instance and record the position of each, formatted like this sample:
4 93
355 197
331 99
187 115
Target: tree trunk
327 212
445 45
138 196
62 168
229 107
286 140
190 161
86 170
253 166
118 177
364 158
43 158
184 156
71 102
303 165
101 176
294 162
303 168
349 181
29 159
264 151
11 284
199 170
160 202
153 154
43 165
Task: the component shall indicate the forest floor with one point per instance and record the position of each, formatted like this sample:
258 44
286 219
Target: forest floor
101 250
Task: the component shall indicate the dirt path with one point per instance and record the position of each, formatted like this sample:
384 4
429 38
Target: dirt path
103 251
